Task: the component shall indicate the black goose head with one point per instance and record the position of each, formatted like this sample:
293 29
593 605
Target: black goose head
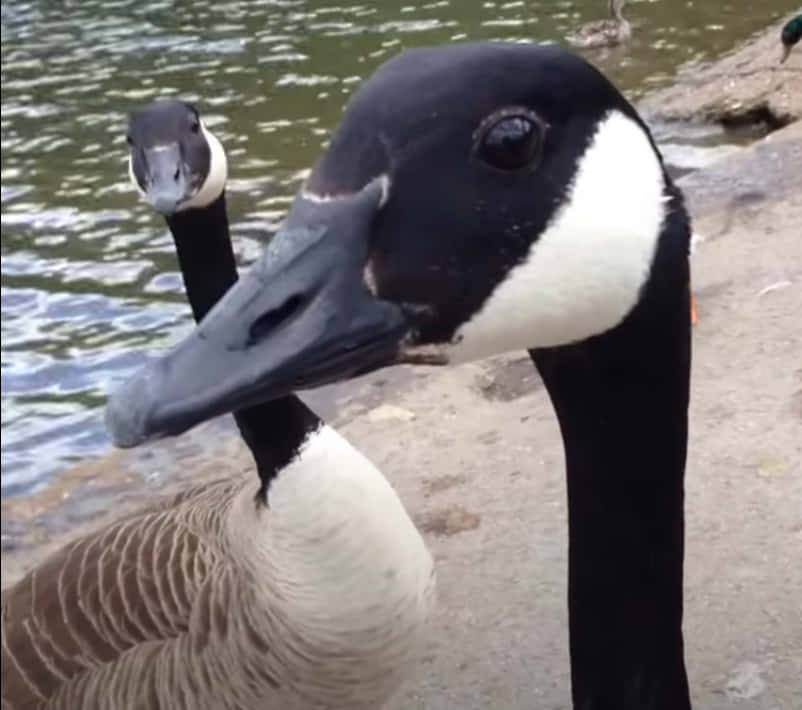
475 199
175 162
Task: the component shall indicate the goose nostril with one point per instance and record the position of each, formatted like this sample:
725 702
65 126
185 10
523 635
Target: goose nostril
272 319
177 173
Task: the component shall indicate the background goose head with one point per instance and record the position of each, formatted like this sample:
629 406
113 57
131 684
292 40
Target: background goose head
175 162
180 168
475 199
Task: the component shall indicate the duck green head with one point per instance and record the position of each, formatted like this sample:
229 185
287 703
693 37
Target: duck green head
791 34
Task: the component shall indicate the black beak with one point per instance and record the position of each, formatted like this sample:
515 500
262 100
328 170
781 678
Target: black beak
300 317
166 182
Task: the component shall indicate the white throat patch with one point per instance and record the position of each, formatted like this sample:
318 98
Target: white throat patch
584 273
215 181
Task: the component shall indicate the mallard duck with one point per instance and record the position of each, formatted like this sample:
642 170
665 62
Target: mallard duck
604 33
791 34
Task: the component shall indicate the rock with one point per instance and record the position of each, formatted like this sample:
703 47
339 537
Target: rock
746 86
389 413
448 521
691 157
745 682
768 170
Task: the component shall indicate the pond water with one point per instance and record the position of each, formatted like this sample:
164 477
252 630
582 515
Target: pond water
89 279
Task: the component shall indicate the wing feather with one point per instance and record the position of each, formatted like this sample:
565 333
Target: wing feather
122 592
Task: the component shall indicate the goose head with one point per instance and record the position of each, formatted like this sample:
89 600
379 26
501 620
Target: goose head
175 162
475 199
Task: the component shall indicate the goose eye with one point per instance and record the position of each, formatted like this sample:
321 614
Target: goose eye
195 127
511 143
129 140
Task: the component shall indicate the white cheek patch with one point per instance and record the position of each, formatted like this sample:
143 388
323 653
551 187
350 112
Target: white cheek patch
215 181
584 274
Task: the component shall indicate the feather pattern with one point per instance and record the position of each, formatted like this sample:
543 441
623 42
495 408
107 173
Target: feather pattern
215 600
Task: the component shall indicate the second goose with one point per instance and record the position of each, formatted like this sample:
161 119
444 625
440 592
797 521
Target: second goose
309 590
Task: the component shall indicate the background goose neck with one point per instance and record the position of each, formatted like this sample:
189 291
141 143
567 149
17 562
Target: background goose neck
205 254
273 431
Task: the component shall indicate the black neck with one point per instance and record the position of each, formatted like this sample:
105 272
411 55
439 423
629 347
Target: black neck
273 431
622 402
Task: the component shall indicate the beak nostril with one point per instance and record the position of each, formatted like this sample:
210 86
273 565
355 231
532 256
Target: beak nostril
272 319
177 173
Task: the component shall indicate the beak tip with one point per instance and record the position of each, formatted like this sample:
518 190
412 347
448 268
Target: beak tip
166 206
126 415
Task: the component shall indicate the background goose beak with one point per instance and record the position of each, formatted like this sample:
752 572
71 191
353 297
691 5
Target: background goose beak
300 317
167 185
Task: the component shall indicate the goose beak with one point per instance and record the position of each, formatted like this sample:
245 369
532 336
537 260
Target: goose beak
301 317
167 184
785 53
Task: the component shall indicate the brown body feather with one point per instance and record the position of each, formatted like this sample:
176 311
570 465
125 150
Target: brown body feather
138 593
198 603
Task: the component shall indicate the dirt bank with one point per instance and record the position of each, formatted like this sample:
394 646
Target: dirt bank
747 86
476 455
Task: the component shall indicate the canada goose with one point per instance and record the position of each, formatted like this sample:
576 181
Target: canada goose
476 199
604 33
791 34
311 590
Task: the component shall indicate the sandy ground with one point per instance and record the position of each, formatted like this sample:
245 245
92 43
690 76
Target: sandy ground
476 455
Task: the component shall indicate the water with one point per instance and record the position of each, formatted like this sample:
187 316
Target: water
89 281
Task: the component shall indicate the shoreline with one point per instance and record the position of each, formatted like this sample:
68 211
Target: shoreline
746 86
